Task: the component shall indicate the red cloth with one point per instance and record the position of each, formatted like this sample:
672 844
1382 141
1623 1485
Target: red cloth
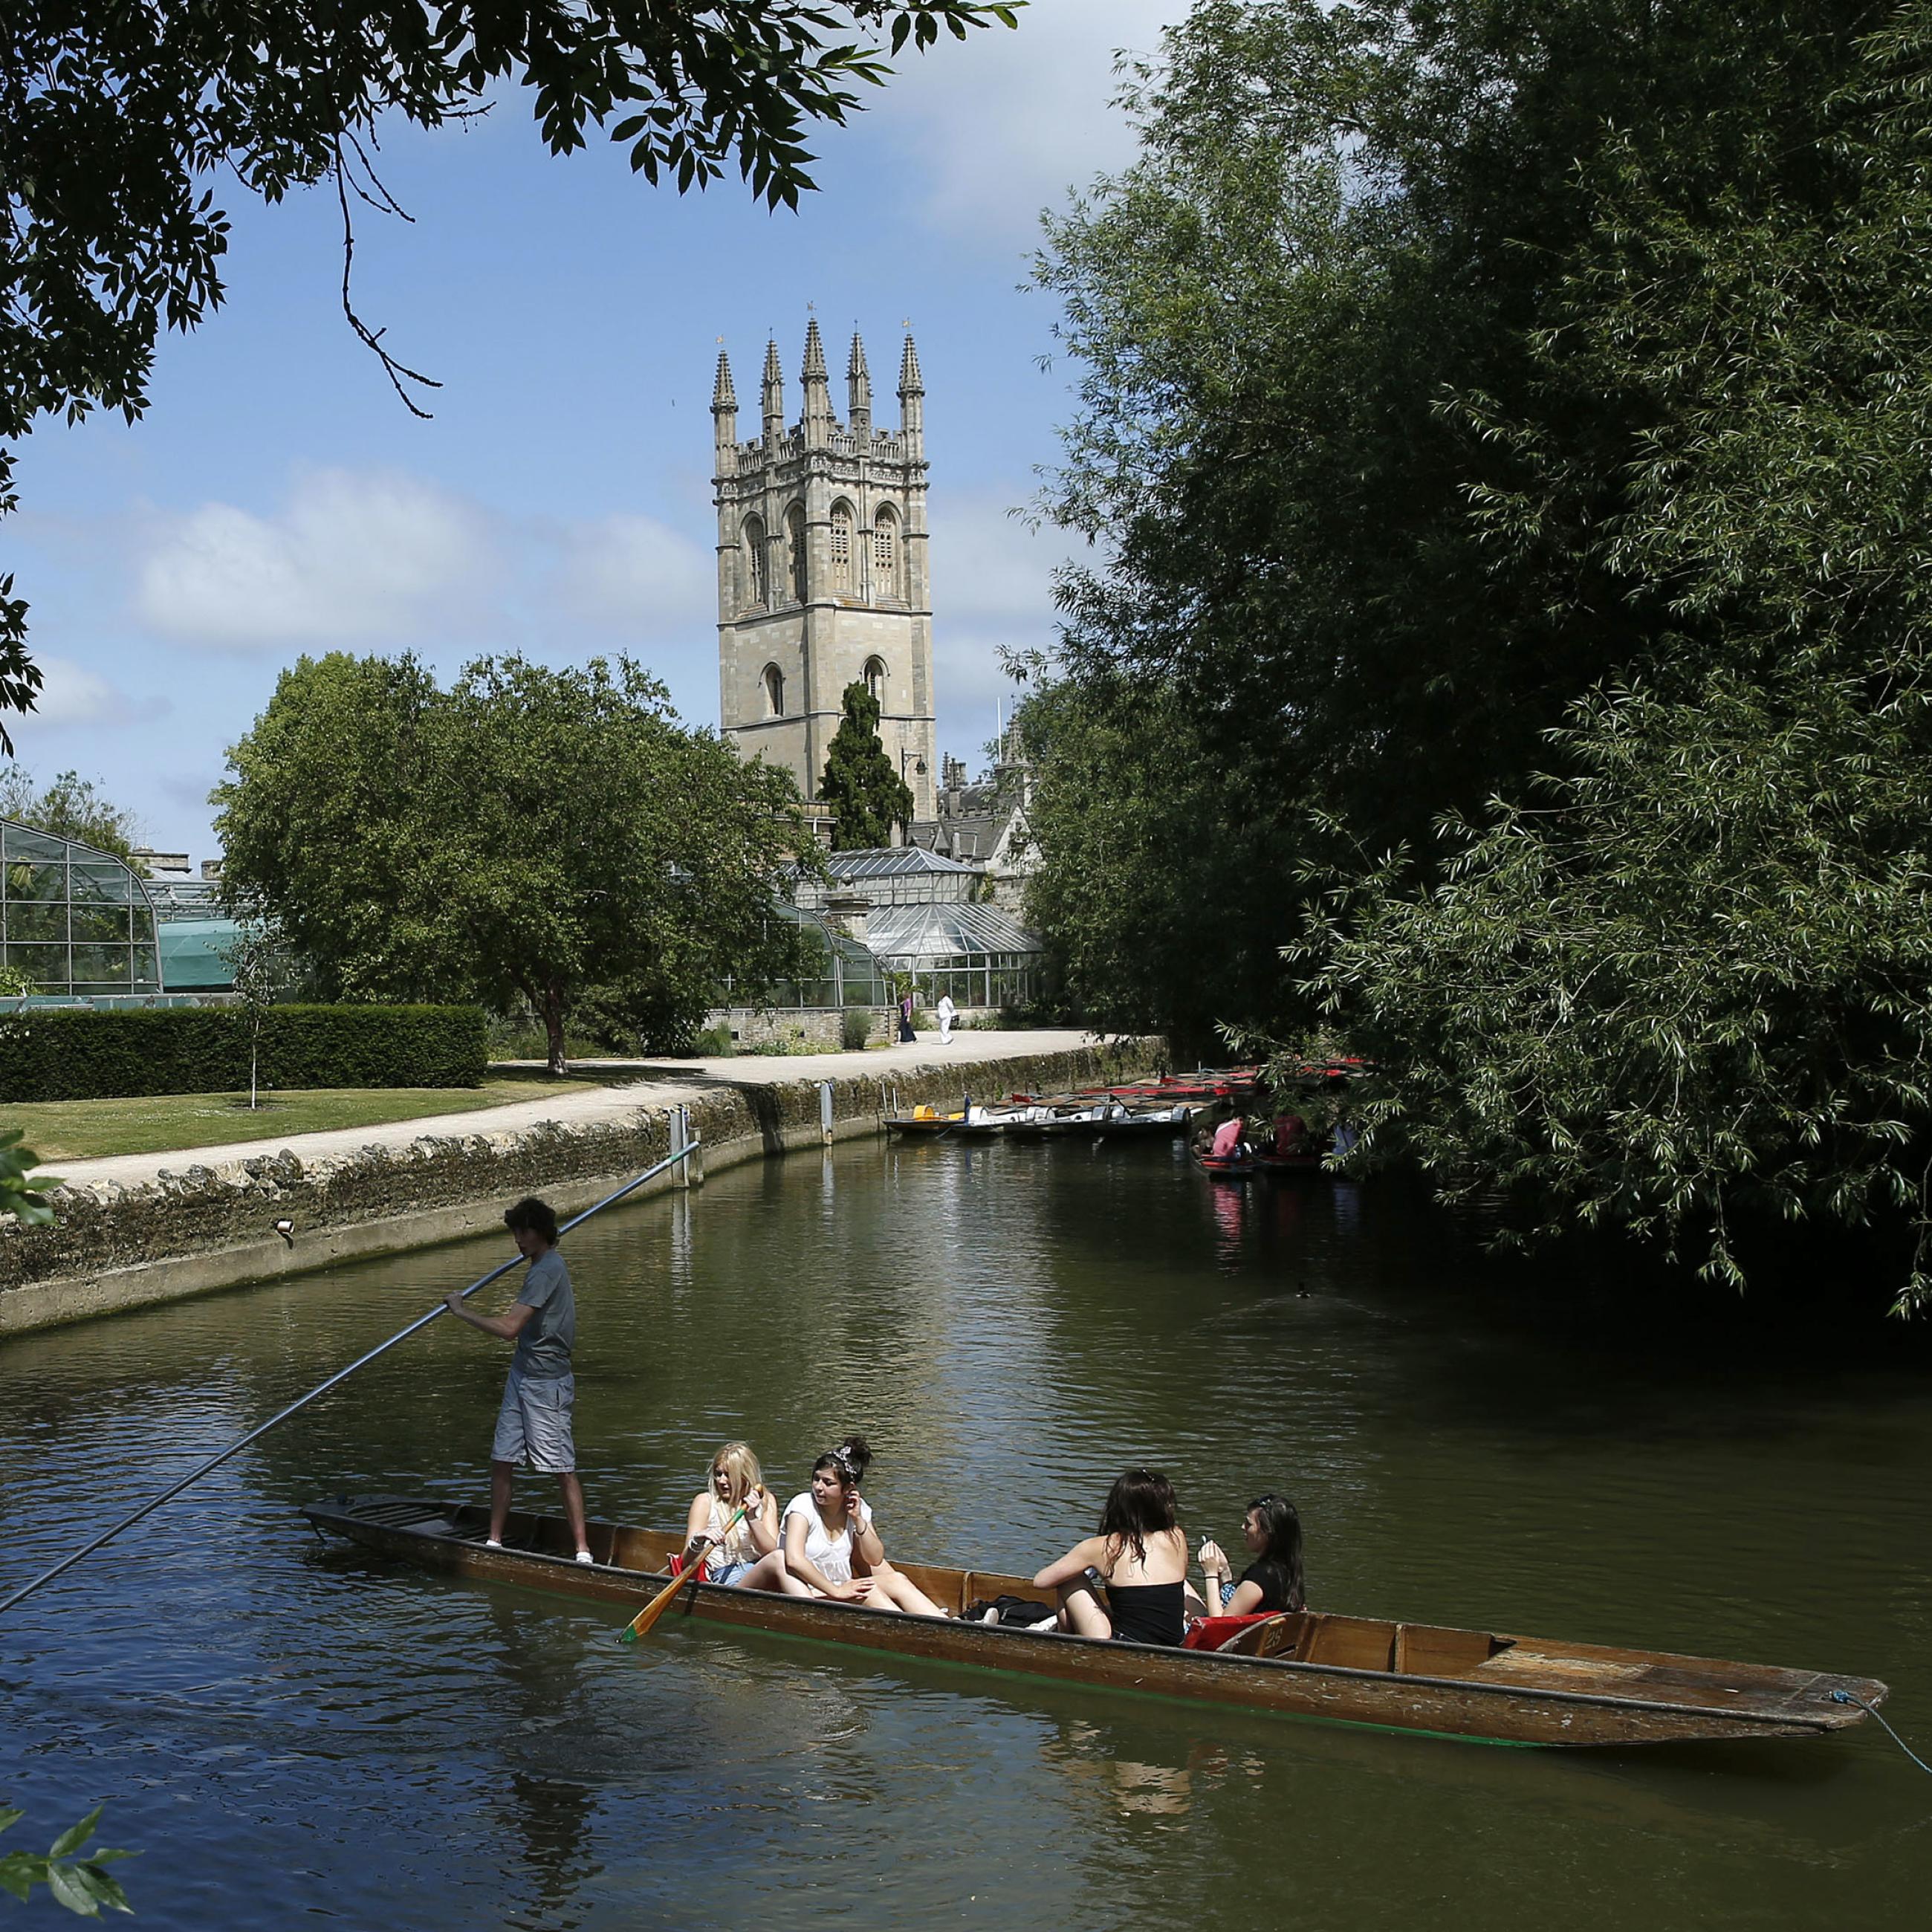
1211 1633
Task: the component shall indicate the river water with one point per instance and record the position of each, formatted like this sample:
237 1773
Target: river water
292 1731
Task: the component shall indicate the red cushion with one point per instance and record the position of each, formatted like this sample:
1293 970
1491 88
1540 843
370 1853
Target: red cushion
1211 1633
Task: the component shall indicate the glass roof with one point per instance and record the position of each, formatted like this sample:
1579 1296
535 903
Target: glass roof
900 935
890 862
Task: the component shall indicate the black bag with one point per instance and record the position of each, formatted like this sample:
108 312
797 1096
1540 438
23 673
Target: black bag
1022 1612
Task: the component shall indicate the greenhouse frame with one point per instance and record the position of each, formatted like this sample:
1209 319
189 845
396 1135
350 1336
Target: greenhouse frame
975 952
77 923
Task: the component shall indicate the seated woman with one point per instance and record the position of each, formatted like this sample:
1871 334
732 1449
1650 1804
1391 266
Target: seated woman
1140 1556
746 1555
1230 1140
831 1545
1273 1581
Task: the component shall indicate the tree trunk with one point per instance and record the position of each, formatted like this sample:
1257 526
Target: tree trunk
553 1020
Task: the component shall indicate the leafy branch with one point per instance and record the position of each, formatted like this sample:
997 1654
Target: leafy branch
81 1883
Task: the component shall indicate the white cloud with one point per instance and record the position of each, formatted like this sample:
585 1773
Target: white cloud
352 558
1002 124
73 694
637 576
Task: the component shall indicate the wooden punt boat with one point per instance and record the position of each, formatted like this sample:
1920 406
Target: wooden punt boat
984 1123
1352 1670
1270 1162
1114 1119
1222 1168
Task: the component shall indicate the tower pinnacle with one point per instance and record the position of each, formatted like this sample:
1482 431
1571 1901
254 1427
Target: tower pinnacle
774 395
859 389
912 402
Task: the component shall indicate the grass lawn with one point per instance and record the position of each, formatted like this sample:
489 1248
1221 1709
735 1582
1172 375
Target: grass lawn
59 1130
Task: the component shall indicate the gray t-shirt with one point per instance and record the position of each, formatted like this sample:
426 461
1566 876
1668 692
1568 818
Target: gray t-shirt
543 1349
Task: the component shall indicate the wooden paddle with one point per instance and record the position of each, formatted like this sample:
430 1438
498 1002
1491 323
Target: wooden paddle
640 1625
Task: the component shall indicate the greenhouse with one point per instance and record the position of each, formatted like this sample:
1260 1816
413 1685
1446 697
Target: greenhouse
894 875
845 975
975 952
74 921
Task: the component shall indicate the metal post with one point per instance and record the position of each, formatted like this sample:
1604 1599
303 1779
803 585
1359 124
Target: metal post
825 1112
680 1139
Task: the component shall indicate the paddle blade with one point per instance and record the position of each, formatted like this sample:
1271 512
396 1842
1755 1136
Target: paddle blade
640 1625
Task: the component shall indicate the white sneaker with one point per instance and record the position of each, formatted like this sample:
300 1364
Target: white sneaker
490 1543
584 1556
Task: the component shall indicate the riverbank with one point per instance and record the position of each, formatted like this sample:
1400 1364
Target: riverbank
138 1228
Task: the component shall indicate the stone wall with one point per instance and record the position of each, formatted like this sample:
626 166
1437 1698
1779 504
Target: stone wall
204 1227
762 1029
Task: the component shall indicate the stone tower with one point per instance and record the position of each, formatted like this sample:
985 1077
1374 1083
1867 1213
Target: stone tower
822 570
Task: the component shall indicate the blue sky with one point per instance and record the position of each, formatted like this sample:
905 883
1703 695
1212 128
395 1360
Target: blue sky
277 498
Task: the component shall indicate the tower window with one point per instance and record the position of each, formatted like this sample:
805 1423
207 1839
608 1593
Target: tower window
754 567
875 680
885 556
842 546
795 531
774 682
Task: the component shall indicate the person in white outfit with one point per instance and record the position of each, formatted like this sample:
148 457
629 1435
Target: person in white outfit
945 1010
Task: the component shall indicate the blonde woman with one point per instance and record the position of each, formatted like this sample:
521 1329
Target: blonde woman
747 1555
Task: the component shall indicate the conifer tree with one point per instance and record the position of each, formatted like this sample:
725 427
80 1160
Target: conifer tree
867 797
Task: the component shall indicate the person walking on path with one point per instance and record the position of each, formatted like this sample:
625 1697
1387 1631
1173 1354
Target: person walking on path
906 1033
945 1010
533 1425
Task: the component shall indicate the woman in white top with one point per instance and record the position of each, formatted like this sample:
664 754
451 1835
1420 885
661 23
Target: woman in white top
832 1546
748 1554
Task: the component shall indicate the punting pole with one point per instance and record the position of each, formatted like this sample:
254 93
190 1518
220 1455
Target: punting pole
194 1475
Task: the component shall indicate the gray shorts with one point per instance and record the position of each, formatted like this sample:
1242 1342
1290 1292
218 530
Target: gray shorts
533 1425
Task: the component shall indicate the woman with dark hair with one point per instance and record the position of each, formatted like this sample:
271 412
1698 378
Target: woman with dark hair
1139 1559
832 1545
1273 1581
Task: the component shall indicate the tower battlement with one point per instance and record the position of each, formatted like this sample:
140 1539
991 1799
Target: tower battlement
822 568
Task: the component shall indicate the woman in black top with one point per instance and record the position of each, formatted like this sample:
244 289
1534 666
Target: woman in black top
1273 1581
1139 1559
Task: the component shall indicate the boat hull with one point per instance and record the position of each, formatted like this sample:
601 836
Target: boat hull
1521 1692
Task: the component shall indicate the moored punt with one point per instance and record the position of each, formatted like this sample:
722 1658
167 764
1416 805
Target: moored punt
1352 1670
978 1123
1222 1168
1270 1162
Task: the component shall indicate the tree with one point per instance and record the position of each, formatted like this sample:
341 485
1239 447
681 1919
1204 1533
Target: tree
72 807
1299 319
556 835
116 122
258 957
1690 983
1161 860
867 797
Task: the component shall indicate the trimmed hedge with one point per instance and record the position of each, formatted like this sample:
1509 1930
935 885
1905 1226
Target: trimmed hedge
66 1054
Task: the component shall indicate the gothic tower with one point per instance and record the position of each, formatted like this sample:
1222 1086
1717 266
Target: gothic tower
822 570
